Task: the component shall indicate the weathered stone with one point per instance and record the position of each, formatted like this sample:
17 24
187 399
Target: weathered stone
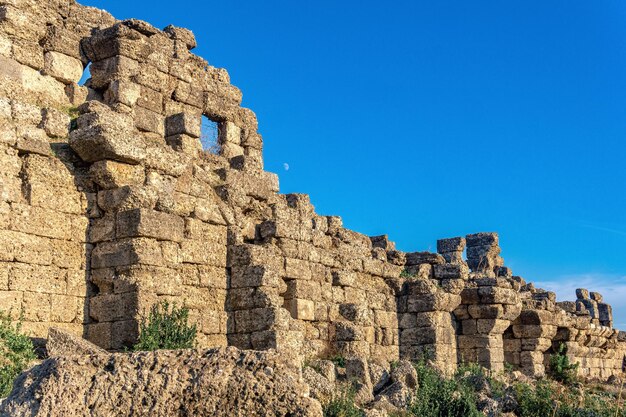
264 383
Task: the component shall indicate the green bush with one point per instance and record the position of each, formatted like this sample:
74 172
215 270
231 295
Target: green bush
16 352
166 328
441 397
342 405
560 367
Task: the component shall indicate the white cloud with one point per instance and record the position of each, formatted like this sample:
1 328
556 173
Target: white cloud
611 286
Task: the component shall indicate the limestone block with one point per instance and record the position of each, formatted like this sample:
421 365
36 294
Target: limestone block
198 230
36 306
303 289
111 174
149 121
301 309
184 143
113 307
55 123
451 271
482 239
416 258
11 302
30 83
104 134
183 124
259 319
246 298
582 294
28 52
62 67
32 140
149 223
63 308
127 197
47 223
596 296
206 253
229 133
50 171
117 67
496 295
127 252
181 34
46 196
454 244
297 269
124 92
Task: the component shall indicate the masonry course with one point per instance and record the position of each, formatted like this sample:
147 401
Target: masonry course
108 204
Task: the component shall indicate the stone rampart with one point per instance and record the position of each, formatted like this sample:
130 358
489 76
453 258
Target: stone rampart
112 198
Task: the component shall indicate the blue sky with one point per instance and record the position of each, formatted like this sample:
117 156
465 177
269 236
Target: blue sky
425 119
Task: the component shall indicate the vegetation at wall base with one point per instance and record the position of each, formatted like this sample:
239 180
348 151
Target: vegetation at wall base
166 327
560 368
342 404
16 353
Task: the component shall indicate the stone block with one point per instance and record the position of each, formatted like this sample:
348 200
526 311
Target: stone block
416 258
229 133
104 134
451 271
482 239
258 319
127 252
582 294
183 124
127 197
301 309
184 143
63 67
205 253
124 92
149 223
183 35
454 244
55 123
111 174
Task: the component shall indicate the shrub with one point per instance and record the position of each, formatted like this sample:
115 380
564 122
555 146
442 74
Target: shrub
440 397
342 404
406 274
166 328
560 367
16 352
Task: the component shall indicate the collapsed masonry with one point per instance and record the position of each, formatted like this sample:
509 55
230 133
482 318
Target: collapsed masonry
109 203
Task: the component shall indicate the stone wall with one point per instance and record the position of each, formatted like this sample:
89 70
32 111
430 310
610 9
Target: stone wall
110 203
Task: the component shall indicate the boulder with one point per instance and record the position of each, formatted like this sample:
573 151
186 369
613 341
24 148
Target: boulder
214 382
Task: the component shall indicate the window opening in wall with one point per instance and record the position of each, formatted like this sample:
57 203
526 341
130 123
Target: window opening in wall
209 134
86 75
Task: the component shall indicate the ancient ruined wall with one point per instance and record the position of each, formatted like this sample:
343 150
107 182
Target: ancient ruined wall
110 203
46 195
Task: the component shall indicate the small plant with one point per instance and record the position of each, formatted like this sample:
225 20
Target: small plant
16 353
439 397
560 367
338 360
166 328
342 404
407 274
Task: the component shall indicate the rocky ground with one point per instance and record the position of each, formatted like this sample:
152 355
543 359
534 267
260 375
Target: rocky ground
79 379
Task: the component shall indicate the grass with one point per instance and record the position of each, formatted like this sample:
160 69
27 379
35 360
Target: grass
16 353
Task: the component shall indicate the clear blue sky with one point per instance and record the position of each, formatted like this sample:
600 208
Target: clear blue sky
424 119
